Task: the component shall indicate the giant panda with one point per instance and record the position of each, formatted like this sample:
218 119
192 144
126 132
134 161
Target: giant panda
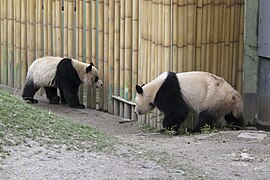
175 94
63 73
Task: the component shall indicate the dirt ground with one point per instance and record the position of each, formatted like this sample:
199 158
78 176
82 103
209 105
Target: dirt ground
221 155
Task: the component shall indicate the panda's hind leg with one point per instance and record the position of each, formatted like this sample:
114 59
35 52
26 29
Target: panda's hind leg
51 93
205 117
29 91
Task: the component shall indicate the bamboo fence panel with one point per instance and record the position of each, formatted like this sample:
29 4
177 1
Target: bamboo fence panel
111 55
17 44
130 42
10 41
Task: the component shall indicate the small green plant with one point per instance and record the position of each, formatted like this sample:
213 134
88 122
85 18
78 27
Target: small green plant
206 129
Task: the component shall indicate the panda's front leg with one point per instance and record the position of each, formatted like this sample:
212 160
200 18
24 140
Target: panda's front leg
71 96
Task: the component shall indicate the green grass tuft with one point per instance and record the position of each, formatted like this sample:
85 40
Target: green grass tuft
20 121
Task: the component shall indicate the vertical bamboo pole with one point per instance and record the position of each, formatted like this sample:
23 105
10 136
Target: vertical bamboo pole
180 36
167 29
17 41
45 29
135 49
65 35
203 35
128 57
101 48
4 41
23 58
122 54
111 55
185 31
50 28
219 36
1 9
79 40
215 35
90 93
174 36
239 69
190 35
116 83
235 42
57 28
93 45
208 36
10 55
223 43
227 40
31 32
39 41
198 35
106 55
70 29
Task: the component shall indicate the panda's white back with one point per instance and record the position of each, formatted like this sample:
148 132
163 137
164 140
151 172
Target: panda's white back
204 90
42 71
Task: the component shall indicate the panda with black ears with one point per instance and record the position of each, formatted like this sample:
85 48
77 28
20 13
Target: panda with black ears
63 73
175 94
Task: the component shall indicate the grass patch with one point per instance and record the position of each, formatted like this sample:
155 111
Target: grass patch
20 121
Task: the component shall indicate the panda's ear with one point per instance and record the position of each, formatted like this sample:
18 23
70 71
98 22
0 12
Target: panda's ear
89 68
91 63
139 89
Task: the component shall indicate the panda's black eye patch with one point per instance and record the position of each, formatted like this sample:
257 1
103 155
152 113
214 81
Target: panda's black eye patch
96 79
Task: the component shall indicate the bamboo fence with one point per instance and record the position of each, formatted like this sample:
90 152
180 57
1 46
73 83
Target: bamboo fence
130 42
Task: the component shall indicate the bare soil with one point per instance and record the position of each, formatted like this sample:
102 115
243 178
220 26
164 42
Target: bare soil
143 155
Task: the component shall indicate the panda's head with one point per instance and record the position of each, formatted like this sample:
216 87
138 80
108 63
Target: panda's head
92 76
144 103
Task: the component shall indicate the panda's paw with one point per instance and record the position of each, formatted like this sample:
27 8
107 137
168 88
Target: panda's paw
30 100
54 100
78 106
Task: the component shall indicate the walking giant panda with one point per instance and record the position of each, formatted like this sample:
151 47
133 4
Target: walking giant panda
176 94
63 73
